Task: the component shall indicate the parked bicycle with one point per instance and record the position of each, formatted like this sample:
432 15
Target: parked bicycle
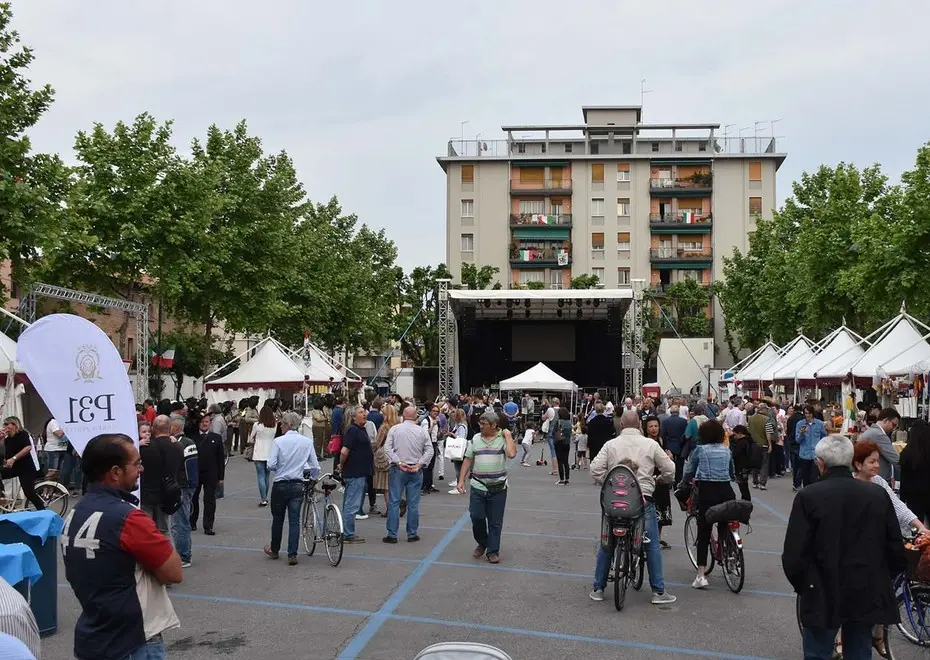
913 599
326 528
728 552
53 494
628 558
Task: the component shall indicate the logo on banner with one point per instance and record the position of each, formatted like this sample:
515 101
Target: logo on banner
80 376
88 364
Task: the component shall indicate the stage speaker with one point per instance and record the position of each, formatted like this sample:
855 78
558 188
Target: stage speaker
468 321
614 321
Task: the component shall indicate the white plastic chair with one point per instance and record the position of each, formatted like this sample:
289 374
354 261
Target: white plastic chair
462 651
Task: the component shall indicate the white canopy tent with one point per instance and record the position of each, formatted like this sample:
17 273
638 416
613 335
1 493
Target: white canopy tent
541 378
838 343
763 355
797 349
786 368
768 357
897 343
11 395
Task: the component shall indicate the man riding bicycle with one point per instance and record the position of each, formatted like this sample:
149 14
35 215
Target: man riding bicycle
643 456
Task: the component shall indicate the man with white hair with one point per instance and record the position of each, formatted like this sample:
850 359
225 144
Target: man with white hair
646 456
842 549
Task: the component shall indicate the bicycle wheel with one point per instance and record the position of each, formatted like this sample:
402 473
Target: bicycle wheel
639 570
691 539
711 555
733 565
621 570
53 494
914 610
308 525
332 524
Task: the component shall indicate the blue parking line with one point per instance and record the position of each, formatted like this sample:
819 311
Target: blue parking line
775 512
358 643
523 632
616 643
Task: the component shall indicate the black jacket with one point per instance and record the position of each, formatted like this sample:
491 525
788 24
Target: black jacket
673 433
160 457
740 450
211 457
842 550
600 430
915 477
790 428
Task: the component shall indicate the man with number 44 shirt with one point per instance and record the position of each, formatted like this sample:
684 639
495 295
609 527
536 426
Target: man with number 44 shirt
117 561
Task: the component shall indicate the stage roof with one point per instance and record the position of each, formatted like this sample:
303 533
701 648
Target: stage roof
543 304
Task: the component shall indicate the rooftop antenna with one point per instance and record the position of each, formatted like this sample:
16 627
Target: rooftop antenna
463 131
772 123
642 91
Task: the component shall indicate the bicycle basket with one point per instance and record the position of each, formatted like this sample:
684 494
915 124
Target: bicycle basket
913 559
732 510
621 495
461 651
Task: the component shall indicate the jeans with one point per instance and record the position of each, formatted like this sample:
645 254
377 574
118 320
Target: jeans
263 473
162 519
372 495
286 498
441 459
428 471
805 472
457 466
351 501
761 476
209 504
857 642
412 484
487 518
181 525
778 459
796 466
153 649
551 440
653 556
561 455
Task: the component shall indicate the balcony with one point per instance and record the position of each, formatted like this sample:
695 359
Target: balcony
689 326
658 290
540 257
535 220
698 184
669 257
682 222
552 286
561 186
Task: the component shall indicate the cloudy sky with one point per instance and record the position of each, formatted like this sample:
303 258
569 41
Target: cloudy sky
364 95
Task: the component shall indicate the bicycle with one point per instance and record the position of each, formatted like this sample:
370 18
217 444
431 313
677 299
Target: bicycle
728 552
332 531
886 642
627 565
913 600
53 494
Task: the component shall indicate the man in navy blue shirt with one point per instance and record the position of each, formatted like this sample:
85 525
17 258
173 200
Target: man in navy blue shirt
105 539
356 463
673 433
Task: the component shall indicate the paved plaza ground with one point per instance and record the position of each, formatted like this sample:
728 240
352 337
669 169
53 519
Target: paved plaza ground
390 601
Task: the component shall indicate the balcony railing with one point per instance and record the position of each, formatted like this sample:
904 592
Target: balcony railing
536 285
563 185
540 220
681 254
703 182
680 218
558 256
659 289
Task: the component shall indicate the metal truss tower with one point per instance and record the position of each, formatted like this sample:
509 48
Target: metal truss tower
633 349
446 322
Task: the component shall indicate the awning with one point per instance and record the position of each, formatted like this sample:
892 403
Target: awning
553 234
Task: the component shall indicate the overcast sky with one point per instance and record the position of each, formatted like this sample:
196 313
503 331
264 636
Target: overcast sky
364 95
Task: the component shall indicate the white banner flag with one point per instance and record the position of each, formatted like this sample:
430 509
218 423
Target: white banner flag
81 377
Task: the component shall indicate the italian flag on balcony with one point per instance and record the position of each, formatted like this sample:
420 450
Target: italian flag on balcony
165 360
526 255
688 217
543 219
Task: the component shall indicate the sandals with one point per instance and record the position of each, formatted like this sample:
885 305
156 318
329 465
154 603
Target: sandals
878 643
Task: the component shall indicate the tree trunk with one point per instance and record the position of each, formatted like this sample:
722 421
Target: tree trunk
208 336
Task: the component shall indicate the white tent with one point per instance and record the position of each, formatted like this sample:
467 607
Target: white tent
902 347
912 360
8 355
786 368
800 348
539 377
767 357
322 368
835 345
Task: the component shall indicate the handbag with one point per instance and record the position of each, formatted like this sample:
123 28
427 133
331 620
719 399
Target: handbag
335 445
249 451
382 462
455 448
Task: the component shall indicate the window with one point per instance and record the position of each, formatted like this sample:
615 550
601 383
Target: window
623 276
623 206
527 276
532 175
690 246
755 170
627 147
556 208
543 145
597 207
689 275
468 208
599 274
568 147
655 146
468 242
597 240
555 278
702 146
532 207
468 173
678 145
130 348
755 206
521 148
623 240
595 148
623 171
597 172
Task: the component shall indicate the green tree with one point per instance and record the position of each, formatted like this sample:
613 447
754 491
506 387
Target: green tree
192 352
478 278
585 282
32 186
417 310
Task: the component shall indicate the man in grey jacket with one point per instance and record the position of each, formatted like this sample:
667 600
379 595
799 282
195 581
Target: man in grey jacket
880 433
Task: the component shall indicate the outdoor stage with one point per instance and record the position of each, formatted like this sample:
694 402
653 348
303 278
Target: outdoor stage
577 333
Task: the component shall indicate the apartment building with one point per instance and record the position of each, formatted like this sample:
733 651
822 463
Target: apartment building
612 197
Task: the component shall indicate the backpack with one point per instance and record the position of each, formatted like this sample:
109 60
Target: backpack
621 495
756 455
558 435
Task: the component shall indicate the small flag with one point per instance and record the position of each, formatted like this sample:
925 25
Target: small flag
165 360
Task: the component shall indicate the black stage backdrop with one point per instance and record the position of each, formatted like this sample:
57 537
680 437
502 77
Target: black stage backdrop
486 352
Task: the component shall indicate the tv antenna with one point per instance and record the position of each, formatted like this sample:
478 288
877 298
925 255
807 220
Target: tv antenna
643 91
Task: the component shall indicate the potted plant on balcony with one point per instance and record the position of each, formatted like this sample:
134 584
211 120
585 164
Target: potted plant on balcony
535 286
702 178
514 250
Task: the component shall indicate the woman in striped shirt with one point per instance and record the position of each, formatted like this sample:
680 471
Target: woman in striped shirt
486 463
866 466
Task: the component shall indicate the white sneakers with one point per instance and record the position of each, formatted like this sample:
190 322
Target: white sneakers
454 491
363 516
663 598
700 582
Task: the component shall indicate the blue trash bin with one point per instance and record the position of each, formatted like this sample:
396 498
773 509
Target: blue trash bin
40 531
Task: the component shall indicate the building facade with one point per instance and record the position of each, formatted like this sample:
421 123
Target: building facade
611 197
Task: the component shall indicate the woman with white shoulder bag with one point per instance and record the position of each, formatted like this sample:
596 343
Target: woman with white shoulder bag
455 446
